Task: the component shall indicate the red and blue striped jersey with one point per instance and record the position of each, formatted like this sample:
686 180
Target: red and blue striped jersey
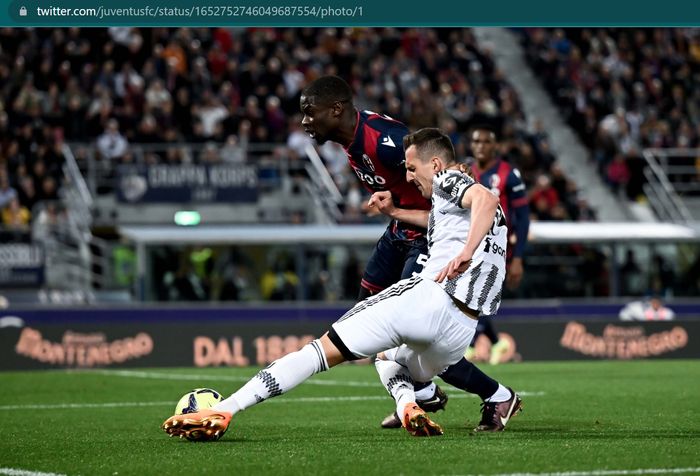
505 181
376 155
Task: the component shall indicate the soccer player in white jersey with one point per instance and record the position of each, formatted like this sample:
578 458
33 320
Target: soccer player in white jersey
418 326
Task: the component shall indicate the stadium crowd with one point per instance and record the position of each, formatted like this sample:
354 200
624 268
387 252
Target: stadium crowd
623 90
236 92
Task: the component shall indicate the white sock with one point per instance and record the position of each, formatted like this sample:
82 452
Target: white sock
427 392
501 395
279 377
398 382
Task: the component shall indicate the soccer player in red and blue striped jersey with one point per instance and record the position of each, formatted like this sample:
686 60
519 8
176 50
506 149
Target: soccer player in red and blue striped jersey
505 182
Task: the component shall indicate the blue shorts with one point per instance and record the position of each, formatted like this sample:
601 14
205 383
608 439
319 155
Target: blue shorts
399 253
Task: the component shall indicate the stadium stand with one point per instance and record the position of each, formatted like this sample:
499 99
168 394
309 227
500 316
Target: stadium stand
625 91
85 111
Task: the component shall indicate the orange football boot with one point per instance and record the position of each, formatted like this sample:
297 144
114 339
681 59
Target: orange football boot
205 425
417 423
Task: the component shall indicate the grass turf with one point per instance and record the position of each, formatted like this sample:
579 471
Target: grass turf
579 416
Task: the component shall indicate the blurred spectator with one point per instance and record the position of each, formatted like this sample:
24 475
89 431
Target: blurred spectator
124 259
211 113
543 199
652 309
275 119
111 144
184 284
15 215
279 283
158 98
631 276
661 277
234 151
7 193
353 203
297 139
618 173
27 192
210 154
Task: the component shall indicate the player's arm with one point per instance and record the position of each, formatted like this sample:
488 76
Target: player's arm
384 203
518 204
483 205
520 224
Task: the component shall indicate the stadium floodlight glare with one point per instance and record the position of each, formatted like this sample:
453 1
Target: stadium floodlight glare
187 218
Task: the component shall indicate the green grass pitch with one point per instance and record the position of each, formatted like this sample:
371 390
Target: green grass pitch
591 418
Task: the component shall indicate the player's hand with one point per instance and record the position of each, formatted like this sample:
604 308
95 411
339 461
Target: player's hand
381 202
455 267
515 273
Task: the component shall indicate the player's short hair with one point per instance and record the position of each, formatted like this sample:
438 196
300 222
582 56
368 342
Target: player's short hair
328 90
484 126
431 142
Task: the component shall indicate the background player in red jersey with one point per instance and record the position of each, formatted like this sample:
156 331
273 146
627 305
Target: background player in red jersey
505 182
374 145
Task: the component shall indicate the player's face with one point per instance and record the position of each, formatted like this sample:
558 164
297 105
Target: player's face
419 173
319 121
483 145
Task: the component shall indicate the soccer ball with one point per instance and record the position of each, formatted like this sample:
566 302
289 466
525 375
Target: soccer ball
197 399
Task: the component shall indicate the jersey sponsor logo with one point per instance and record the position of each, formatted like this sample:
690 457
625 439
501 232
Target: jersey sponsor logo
370 179
388 142
495 248
494 181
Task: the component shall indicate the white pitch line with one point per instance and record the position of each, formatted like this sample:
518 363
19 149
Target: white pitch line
608 472
24 472
225 378
286 399
81 406
231 378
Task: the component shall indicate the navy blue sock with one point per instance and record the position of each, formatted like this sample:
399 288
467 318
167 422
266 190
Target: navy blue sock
467 376
487 329
420 385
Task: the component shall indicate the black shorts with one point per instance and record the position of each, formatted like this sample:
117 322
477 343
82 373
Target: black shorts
396 256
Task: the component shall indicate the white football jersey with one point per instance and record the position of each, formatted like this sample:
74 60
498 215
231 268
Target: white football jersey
479 287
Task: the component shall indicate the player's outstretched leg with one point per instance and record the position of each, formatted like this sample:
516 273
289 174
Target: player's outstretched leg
279 377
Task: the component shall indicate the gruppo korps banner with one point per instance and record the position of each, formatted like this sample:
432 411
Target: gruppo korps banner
187 183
